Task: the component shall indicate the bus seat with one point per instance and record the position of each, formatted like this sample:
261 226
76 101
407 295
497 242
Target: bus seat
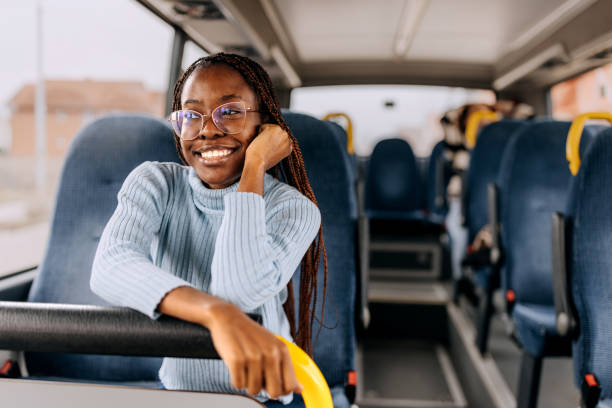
334 340
393 185
483 169
99 159
590 263
534 182
438 176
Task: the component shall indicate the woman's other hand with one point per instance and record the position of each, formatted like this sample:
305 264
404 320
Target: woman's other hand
269 147
256 358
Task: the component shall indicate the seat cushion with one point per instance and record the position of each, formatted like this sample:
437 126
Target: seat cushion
338 397
537 331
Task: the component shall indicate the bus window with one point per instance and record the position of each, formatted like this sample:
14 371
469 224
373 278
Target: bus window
409 112
94 60
191 53
591 91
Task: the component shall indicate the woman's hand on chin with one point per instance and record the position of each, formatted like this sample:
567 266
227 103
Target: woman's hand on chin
270 146
256 358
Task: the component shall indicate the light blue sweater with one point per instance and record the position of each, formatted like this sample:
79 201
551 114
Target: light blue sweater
170 230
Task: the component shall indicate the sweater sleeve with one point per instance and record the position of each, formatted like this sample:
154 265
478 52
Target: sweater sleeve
122 272
256 253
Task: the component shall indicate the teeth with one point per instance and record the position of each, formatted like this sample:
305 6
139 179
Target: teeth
212 154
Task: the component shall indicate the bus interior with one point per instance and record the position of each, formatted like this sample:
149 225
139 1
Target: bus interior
473 275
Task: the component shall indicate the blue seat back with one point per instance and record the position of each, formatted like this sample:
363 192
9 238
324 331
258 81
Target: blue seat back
334 341
483 169
590 264
99 159
393 183
534 182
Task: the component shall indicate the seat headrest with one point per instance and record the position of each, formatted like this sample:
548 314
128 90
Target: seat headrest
393 182
326 163
112 145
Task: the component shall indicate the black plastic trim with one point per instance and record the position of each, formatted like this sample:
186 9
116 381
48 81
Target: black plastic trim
49 327
566 317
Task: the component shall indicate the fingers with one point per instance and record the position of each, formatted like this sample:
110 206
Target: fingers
273 378
290 382
254 371
238 372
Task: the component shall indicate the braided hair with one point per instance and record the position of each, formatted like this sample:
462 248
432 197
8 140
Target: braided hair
295 175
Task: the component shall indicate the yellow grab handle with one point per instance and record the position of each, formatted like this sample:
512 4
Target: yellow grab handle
572 146
316 392
349 129
471 128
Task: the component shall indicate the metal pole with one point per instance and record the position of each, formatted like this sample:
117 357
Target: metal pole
176 60
40 104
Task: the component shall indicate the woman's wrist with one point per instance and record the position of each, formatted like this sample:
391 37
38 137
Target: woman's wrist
253 163
252 178
215 313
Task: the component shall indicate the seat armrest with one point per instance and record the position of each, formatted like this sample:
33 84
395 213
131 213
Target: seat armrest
493 201
564 312
363 233
60 328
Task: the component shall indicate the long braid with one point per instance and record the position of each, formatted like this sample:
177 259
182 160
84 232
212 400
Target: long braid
257 78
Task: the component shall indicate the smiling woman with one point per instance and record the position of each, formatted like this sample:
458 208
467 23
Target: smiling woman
229 235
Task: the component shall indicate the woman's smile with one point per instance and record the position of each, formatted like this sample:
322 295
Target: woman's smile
214 155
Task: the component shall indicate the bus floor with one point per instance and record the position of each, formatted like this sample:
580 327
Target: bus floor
557 387
421 353
403 359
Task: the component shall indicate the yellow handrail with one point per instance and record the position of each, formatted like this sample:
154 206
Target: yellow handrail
349 128
471 128
316 392
572 146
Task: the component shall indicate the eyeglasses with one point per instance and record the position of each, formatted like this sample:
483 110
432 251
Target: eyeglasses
228 118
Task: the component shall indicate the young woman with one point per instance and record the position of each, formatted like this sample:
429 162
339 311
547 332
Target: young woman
220 236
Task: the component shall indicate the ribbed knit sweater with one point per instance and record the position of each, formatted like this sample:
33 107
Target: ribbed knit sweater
170 230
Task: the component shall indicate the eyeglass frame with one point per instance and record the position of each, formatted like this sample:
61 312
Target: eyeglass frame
206 117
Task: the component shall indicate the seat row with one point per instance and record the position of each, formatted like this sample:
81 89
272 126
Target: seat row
517 179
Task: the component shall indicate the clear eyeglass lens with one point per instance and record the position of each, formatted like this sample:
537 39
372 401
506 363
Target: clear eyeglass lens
189 124
229 118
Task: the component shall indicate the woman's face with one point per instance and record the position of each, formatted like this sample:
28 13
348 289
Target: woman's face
203 91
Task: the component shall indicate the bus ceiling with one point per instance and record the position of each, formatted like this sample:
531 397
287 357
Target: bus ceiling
510 46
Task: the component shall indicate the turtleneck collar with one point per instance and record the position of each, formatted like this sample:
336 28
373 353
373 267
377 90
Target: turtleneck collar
210 199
